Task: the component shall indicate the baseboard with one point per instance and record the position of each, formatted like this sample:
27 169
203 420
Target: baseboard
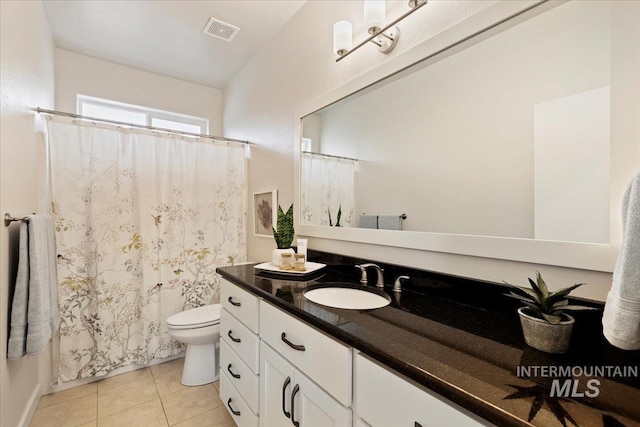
30 409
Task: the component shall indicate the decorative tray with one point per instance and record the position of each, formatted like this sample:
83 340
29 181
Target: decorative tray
312 267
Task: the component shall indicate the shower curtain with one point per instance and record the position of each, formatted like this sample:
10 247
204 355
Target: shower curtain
142 220
328 186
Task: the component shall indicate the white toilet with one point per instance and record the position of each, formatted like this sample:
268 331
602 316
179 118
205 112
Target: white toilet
199 329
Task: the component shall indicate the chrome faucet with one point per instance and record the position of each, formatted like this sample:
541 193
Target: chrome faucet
397 285
363 278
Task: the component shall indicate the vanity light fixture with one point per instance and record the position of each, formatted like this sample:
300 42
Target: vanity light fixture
385 37
342 41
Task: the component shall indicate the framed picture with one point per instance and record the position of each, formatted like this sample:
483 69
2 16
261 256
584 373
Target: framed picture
265 213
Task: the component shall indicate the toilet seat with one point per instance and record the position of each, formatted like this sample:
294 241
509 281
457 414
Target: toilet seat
194 318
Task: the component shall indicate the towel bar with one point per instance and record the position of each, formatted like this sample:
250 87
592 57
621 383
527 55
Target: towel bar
8 219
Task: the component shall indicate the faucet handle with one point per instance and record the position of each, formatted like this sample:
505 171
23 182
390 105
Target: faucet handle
379 270
363 277
397 285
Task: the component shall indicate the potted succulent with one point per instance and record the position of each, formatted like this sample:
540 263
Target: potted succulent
545 325
283 235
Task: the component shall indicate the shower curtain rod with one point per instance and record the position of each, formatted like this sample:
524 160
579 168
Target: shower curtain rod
313 153
179 132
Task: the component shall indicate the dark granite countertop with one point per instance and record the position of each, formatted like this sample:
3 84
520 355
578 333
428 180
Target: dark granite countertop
462 339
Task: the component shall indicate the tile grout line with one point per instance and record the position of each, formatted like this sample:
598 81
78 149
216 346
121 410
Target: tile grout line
159 397
140 403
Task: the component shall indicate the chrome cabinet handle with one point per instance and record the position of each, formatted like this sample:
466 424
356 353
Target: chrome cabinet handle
231 372
232 338
290 344
284 389
237 304
237 413
296 389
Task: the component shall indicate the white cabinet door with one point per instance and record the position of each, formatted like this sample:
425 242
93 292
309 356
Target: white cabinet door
384 399
288 398
276 383
313 407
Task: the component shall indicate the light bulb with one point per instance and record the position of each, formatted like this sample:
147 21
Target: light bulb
374 11
342 34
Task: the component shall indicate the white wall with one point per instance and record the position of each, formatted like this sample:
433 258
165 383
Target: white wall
78 74
260 104
26 81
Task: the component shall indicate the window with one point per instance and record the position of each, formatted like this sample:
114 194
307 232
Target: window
127 113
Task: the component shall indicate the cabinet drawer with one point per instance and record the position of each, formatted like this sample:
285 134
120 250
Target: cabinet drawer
240 303
324 360
235 404
239 338
238 373
378 389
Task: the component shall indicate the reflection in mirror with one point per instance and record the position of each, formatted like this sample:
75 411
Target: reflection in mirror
508 137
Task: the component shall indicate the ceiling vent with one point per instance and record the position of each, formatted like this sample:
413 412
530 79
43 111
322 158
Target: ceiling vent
220 30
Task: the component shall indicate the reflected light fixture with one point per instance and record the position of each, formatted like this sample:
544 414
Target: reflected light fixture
385 37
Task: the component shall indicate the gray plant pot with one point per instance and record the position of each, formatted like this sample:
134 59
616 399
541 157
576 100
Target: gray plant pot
545 336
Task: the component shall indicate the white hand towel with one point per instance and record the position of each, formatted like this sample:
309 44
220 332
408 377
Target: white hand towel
34 314
16 347
368 221
389 222
621 318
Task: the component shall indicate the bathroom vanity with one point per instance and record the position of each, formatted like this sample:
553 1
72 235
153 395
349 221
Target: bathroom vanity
446 350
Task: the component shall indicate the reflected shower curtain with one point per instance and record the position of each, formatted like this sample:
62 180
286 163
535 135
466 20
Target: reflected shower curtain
142 221
328 185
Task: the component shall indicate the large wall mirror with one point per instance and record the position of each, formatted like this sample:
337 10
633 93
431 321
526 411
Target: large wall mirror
505 145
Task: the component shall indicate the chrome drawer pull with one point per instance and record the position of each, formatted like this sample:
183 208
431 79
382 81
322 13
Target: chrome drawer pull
284 389
296 389
290 344
231 372
237 413
232 338
237 304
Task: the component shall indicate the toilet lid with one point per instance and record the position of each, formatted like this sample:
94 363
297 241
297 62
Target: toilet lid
196 317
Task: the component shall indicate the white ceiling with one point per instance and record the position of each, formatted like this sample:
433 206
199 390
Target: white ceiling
165 36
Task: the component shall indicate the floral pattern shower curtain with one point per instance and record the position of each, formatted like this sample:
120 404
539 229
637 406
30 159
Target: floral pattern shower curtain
142 221
328 185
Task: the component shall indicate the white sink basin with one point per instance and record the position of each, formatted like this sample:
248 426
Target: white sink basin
346 295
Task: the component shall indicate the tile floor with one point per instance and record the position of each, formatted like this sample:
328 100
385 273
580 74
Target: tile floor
149 397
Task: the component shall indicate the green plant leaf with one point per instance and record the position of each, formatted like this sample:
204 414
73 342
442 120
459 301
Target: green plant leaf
285 232
555 296
524 292
551 318
578 307
560 304
527 299
540 296
542 285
